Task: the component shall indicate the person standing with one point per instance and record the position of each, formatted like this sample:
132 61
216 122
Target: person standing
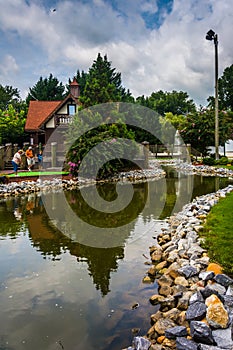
40 159
30 158
16 161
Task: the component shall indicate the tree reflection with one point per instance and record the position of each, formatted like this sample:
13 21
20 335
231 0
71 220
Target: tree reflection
19 213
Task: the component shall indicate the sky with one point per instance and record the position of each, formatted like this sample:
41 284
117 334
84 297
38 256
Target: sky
154 44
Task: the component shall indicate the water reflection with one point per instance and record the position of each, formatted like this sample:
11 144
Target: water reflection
56 291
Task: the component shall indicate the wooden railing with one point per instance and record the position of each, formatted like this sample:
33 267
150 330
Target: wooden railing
6 154
63 119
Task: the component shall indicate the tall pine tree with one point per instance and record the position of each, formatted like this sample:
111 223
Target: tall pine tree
46 89
103 84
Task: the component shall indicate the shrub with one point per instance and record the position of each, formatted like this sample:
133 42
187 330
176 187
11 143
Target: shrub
208 161
223 161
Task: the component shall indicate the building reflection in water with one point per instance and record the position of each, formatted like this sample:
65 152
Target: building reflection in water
154 199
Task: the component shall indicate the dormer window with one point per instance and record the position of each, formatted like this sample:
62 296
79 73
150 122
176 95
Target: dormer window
71 109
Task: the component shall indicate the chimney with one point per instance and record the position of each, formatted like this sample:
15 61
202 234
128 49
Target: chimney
74 88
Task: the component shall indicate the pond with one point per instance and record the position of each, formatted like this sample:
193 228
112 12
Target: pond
65 286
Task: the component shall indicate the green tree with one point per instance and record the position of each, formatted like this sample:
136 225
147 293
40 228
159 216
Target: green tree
9 95
103 84
225 91
103 143
46 89
178 121
12 125
198 129
176 102
81 79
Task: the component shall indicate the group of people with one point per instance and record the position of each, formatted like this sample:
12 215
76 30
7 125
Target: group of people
17 159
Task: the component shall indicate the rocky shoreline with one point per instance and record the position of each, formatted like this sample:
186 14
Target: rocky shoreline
194 301
24 187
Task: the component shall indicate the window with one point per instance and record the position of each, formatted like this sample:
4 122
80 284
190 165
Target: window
71 109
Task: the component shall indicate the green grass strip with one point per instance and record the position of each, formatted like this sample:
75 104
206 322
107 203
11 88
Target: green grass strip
218 233
39 173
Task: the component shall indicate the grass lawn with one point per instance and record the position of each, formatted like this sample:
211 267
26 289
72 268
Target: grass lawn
218 233
38 173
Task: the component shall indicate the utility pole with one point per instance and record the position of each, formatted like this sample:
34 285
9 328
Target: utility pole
211 35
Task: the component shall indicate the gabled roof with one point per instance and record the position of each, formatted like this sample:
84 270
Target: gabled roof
39 112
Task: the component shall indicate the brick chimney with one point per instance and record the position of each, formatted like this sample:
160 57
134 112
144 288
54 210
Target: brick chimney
74 88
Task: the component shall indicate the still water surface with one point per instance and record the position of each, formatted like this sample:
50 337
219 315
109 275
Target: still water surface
57 293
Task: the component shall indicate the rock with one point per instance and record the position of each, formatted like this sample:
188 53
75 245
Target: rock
196 311
162 324
160 339
223 338
183 302
196 297
168 344
156 299
185 344
207 291
181 320
203 261
151 333
172 270
161 265
165 290
170 249
140 343
215 268
229 290
173 314
177 331
223 279
178 289
180 280
155 347
167 303
201 333
188 271
217 287
165 280
228 301
155 317
152 271
208 347
195 249
216 315
173 256
156 256
206 275
147 279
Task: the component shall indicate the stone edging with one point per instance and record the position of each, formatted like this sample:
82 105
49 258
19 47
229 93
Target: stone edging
194 301
204 170
44 185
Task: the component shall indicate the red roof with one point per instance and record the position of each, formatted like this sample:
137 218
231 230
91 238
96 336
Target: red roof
38 113
74 82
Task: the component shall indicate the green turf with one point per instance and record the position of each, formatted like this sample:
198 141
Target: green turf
218 233
38 173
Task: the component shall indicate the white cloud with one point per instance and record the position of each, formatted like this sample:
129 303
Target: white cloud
173 56
8 67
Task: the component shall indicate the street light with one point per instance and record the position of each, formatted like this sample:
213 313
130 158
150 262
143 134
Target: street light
211 35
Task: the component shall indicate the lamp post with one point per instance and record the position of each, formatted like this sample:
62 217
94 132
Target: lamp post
211 35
